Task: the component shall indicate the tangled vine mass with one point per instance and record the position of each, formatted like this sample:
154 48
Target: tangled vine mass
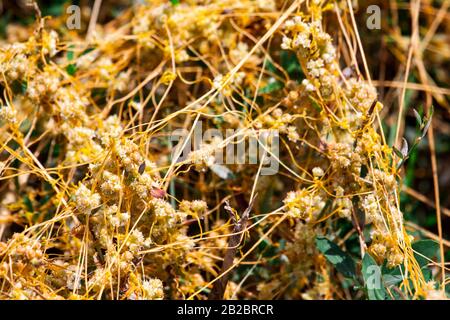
95 203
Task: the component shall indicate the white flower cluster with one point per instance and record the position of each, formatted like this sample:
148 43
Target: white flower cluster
143 185
81 146
165 212
195 207
43 85
340 154
317 172
8 114
152 289
308 85
278 120
78 135
106 68
304 204
314 45
386 179
122 82
26 250
292 134
269 5
13 61
181 56
110 130
114 216
371 208
136 241
205 154
384 247
69 105
301 31
128 154
316 68
49 43
238 53
165 220
85 200
111 183
344 203
360 94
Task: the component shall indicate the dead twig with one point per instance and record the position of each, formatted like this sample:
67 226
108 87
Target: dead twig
234 241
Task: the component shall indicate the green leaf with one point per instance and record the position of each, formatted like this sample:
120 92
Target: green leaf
398 152
340 259
4 22
71 69
372 278
391 276
70 55
290 63
425 248
404 149
427 275
392 279
315 104
272 86
175 2
56 150
427 123
418 117
53 8
364 171
28 203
